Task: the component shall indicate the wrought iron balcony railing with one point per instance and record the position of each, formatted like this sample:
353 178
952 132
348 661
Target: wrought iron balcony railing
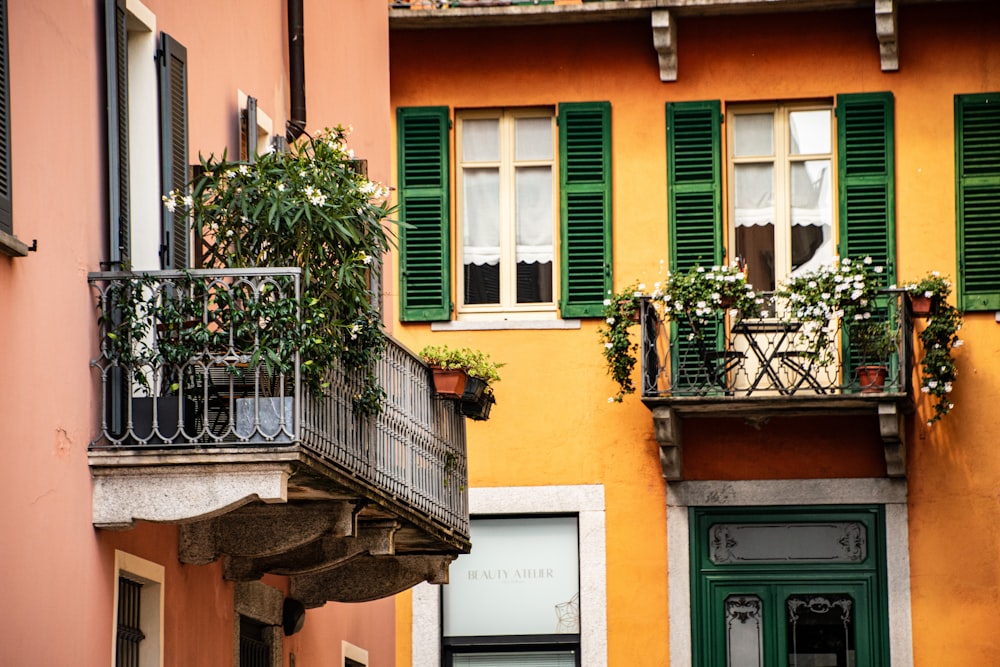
197 360
735 357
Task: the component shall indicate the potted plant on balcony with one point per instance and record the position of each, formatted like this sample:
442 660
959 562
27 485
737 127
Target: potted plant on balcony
875 342
463 375
938 339
309 208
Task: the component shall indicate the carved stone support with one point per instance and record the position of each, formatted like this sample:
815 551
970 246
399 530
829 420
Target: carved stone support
667 431
886 31
665 43
258 530
893 431
322 554
369 578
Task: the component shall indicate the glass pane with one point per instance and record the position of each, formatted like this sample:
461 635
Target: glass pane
533 139
753 134
812 229
835 542
744 644
534 234
810 132
481 140
522 579
754 200
820 630
522 659
481 218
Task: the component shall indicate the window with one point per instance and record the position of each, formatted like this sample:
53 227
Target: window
780 158
258 624
513 253
138 623
354 656
506 203
780 183
517 599
585 505
147 139
977 133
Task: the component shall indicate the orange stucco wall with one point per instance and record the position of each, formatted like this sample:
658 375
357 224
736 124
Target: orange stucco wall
552 423
56 570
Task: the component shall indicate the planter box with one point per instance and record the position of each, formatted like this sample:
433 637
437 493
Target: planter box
167 416
478 409
449 383
270 428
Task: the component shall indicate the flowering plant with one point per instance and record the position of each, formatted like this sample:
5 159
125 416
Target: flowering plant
938 339
843 290
314 209
619 348
699 295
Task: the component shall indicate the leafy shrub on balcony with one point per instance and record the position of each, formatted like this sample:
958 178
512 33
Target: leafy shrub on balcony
309 208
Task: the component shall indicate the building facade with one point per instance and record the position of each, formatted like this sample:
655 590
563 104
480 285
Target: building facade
192 540
748 505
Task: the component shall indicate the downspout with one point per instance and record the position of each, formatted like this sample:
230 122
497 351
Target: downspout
296 124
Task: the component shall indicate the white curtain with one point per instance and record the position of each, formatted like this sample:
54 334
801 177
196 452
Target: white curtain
534 214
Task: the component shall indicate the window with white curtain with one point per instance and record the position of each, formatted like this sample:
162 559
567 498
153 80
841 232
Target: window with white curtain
780 190
506 210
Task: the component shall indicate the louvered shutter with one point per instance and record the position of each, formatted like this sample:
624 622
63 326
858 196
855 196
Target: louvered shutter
6 210
866 177
173 149
585 207
116 64
694 209
424 238
248 131
977 143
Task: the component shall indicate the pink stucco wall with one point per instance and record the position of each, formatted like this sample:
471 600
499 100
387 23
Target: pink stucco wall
56 570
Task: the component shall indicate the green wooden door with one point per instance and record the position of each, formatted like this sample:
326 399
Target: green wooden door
789 587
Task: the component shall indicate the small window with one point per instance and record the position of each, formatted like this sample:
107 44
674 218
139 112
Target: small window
138 617
506 209
255 650
353 655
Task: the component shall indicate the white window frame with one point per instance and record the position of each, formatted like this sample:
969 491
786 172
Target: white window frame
781 159
587 502
506 164
891 493
151 576
355 654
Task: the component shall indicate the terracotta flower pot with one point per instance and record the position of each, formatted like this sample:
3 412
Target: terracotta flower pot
920 306
449 383
872 378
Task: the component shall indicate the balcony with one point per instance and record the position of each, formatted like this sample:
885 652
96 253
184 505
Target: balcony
762 368
202 425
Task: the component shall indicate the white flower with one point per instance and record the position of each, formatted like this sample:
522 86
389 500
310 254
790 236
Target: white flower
608 346
610 320
169 203
611 399
281 187
867 260
932 384
958 343
244 170
607 302
641 286
188 201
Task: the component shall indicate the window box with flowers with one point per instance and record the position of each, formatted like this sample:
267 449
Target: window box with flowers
464 375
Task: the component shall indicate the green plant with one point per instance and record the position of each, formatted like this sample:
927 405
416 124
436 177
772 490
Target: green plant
938 339
475 363
619 347
700 294
309 208
843 291
874 339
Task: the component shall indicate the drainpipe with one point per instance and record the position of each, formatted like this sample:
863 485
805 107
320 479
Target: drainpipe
296 125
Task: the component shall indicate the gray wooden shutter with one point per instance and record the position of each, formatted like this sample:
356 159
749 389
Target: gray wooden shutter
248 131
173 149
116 65
6 210
424 237
866 178
977 172
584 207
694 184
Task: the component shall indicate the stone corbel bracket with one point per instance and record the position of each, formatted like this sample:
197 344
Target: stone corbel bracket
886 31
667 431
893 432
665 43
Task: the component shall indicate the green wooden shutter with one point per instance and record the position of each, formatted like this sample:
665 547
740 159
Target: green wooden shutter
977 171
866 178
584 207
694 184
424 238
173 149
116 65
